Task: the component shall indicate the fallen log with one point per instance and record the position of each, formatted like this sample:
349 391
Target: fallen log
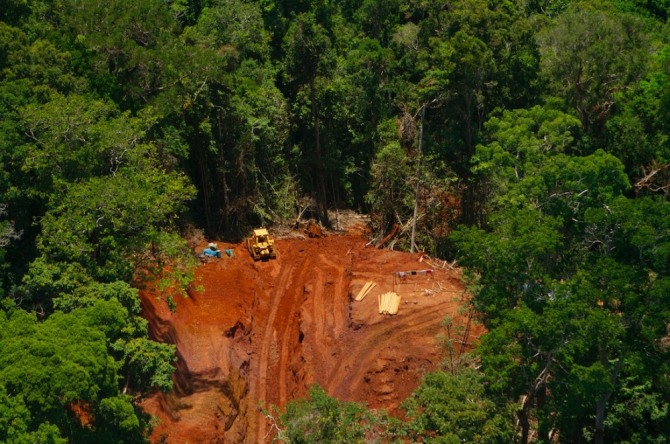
389 236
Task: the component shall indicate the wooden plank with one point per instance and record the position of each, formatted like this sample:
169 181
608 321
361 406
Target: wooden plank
369 288
360 294
389 303
373 285
395 304
365 290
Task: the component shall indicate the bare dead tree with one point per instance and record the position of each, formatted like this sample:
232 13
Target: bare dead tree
656 178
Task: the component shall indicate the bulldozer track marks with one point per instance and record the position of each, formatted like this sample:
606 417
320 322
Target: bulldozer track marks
350 370
265 331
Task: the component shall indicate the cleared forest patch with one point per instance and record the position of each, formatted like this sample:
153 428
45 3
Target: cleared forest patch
259 333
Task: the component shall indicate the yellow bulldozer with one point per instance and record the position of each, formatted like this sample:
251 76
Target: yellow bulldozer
261 245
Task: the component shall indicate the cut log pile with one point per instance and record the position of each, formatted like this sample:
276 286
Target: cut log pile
365 290
389 303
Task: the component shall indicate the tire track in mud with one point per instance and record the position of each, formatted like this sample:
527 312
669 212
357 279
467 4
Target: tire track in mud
320 281
338 305
308 334
277 334
263 358
351 369
296 324
290 326
307 282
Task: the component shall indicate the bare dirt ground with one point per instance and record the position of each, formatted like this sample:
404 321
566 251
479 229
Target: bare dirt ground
255 334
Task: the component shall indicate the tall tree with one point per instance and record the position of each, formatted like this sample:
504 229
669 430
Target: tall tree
560 275
589 55
308 60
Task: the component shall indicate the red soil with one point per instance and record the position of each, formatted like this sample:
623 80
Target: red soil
260 333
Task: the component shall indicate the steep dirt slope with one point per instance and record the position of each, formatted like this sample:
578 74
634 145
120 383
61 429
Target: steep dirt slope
260 333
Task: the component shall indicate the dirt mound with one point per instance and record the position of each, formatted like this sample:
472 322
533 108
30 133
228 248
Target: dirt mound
259 333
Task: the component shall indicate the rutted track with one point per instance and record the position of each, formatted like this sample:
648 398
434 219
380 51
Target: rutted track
271 329
350 369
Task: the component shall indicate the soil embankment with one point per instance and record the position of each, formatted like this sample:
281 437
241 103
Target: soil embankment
260 333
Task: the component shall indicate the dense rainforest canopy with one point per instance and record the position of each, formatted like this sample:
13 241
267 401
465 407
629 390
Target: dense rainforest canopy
528 139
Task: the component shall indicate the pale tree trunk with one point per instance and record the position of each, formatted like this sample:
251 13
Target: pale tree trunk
523 414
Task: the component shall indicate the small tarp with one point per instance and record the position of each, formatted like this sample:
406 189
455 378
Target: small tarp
211 253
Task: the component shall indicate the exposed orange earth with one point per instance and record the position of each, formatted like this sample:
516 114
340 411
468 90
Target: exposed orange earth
260 333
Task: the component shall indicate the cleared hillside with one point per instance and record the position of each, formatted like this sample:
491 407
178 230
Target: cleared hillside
260 333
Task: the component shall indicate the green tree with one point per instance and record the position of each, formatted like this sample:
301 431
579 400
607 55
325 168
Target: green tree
145 363
454 408
308 61
53 365
113 227
638 133
590 54
390 194
561 275
16 421
320 418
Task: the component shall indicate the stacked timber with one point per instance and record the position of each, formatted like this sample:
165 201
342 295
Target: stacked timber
365 290
389 303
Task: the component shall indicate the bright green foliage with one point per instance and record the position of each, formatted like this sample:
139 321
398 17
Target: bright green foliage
524 247
453 408
118 412
150 363
320 418
16 421
521 142
51 369
62 361
107 224
75 137
146 363
236 26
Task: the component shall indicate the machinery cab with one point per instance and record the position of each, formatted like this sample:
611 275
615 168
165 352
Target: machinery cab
261 245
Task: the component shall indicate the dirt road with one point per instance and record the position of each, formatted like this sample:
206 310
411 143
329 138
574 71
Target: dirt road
255 334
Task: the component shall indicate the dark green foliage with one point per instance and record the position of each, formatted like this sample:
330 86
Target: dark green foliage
566 280
589 55
542 125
